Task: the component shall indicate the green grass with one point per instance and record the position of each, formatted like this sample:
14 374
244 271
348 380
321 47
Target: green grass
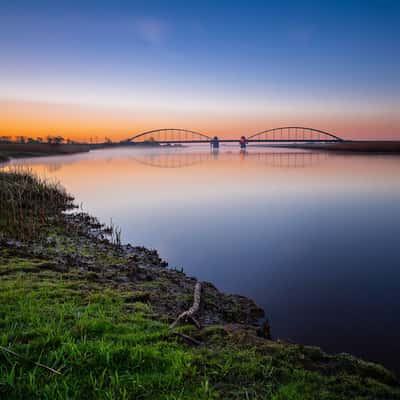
108 349
101 350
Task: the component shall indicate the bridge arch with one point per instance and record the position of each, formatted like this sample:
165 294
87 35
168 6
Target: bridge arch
170 135
295 134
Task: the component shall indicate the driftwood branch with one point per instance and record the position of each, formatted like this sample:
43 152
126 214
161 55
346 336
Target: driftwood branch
192 310
38 364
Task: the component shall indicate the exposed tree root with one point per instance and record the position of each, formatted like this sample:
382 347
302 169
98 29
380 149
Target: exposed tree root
192 310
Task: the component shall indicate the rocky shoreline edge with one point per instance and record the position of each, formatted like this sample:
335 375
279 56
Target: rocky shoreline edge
135 269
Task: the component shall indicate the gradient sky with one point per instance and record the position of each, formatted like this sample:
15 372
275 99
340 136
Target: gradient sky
115 68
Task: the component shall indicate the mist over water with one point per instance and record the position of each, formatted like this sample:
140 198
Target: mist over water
313 238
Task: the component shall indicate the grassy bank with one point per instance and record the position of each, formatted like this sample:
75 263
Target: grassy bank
76 300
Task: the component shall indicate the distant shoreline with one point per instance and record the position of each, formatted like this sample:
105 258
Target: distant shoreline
25 150
359 146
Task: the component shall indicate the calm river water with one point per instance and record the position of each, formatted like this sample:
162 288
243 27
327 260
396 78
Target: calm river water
314 238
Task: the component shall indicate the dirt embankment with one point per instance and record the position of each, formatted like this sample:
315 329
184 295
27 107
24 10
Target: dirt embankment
75 263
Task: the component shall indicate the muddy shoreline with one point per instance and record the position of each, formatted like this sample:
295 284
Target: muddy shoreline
136 269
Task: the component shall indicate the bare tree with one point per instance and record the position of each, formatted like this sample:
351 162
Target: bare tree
58 140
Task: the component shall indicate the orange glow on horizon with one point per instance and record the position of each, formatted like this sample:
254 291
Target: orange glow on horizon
34 119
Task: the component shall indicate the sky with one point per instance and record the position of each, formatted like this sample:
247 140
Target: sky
116 68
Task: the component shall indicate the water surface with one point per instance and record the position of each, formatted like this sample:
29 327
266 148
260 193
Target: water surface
314 238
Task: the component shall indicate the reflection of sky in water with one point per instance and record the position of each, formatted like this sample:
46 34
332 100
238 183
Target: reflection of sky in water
313 238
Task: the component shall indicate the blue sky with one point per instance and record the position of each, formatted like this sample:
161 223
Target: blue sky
215 58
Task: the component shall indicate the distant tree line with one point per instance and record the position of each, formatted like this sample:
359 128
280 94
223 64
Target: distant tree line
25 139
43 140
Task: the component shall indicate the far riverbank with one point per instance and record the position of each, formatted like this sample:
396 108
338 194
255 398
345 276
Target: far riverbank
25 150
359 146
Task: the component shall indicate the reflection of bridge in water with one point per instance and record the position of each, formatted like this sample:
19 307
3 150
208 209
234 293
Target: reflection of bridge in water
182 159
287 134
174 159
291 159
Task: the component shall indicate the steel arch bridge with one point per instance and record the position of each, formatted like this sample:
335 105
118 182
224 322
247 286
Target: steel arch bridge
287 134
170 136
